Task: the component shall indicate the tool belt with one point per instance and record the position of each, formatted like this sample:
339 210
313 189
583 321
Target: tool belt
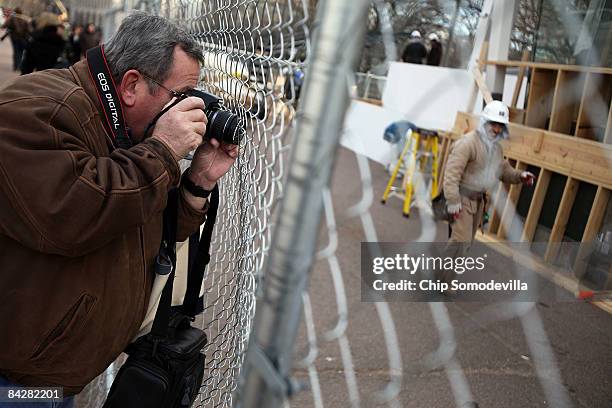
471 194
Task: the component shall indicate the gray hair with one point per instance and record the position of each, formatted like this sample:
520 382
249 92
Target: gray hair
146 43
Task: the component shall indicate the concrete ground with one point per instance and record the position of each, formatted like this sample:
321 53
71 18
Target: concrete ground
498 357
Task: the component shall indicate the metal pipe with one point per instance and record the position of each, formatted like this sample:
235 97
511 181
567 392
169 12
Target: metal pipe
337 46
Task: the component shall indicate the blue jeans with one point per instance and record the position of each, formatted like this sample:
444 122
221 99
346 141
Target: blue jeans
67 402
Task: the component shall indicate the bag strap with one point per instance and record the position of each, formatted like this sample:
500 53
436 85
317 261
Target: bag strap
201 259
196 268
167 251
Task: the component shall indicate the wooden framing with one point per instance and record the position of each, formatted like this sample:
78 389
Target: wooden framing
598 210
510 208
496 216
569 99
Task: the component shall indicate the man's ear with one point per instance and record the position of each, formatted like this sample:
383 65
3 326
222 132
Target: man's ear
131 86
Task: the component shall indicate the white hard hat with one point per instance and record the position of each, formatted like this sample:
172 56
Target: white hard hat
496 111
415 34
434 37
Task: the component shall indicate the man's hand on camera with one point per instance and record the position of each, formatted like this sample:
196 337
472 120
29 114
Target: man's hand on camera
210 162
182 127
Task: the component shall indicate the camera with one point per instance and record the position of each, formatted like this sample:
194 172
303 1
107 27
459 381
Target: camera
223 125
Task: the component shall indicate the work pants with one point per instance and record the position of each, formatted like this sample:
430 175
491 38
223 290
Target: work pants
463 230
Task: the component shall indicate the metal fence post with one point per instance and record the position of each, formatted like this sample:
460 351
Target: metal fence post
337 45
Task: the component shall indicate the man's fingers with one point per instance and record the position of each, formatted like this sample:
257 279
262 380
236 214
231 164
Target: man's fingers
190 103
199 128
196 115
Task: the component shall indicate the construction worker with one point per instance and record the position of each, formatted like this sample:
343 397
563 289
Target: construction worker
475 165
415 52
434 56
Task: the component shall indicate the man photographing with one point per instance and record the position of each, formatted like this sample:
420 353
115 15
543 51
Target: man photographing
82 191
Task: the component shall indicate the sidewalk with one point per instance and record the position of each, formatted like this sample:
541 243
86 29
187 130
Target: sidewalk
6 64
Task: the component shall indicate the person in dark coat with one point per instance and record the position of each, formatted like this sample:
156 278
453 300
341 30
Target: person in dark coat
415 52
435 50
18 30
44 50
89 38
74 44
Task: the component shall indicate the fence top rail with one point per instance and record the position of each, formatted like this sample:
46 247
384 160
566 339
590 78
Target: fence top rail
549 66
373 76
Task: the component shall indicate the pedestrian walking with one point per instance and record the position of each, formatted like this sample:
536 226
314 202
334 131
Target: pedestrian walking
18 30
415 51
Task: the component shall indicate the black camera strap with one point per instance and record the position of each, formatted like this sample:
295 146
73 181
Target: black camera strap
109 98
151 125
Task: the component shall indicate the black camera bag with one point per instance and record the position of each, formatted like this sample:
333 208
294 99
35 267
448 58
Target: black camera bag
165 368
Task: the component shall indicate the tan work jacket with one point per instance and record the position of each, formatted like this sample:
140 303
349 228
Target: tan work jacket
471 166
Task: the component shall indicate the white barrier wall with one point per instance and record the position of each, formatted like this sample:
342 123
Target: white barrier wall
427 96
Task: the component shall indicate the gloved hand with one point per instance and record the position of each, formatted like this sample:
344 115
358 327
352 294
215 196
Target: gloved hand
528 178
454 210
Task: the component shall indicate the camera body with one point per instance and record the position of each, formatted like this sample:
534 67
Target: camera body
223 125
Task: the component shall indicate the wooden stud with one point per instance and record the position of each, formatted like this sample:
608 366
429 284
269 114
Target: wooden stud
519 80
482 58
495 216
600 204
482 85
557 67
608 136
535 208
510 207
598 210
563 213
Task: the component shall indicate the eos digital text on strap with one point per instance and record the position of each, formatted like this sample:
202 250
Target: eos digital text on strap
114 120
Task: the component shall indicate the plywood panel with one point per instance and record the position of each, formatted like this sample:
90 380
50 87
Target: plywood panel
566 103
535 208
595 107
541 93
565 207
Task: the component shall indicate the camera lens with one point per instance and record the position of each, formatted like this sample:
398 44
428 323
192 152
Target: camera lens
225 127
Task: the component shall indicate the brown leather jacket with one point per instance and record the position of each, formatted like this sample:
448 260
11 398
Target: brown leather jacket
473 167
80 226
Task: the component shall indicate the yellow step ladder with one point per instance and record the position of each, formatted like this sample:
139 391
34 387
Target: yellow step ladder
421 146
